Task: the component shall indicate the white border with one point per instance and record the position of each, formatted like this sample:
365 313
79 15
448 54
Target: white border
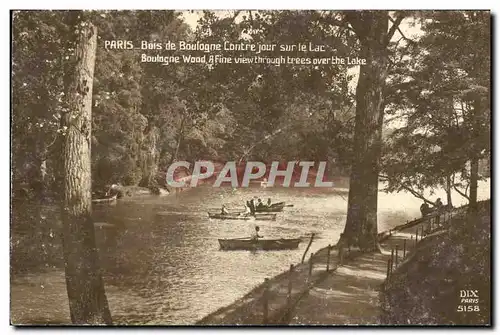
189 4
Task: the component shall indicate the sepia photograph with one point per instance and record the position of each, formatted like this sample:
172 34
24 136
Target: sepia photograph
250 168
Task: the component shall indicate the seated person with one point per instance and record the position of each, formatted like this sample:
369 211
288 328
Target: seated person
251 206
224 210
260 204
255 236
247 209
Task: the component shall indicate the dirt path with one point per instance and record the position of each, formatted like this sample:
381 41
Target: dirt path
350 295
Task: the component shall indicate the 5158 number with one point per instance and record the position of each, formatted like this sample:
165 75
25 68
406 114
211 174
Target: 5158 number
462 308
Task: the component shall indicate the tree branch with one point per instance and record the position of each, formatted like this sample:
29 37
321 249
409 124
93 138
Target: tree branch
411 190
461 193
395 25
49 152
236 13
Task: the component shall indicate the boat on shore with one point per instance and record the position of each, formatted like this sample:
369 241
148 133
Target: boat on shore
260 244
106 200
242 216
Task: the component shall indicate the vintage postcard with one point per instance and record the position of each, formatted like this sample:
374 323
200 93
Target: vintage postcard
250 167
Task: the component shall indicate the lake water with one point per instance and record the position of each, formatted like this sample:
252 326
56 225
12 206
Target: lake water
162 261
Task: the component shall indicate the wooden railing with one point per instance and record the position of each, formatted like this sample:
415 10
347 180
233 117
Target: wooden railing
429 225
398 254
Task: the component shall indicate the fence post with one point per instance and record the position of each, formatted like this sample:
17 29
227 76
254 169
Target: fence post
328 258
416 237
289 295
265 301
311 264
307 249
396 257
404 248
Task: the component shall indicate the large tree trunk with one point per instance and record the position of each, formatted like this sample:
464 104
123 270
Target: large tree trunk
87 298
361 225
448 191
150 158
474 176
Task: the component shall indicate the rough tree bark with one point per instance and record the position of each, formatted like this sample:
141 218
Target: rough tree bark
150 158
371 27
87 298
448 191
179 139
474 177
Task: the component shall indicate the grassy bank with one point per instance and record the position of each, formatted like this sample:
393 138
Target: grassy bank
448 267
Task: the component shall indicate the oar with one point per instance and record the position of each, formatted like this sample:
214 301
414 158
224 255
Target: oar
279 204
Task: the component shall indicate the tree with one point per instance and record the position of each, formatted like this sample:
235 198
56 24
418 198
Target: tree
372 30
268 101
86 294
442 94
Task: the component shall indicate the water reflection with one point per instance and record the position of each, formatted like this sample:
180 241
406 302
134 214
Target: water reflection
161 256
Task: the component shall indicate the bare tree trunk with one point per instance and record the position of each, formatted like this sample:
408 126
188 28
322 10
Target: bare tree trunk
474 177
448 191
150 158
87 298
361 224
179 138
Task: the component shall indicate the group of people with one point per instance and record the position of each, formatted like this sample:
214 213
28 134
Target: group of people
251 206
425 209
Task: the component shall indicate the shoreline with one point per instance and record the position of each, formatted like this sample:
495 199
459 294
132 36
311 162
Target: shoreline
242 310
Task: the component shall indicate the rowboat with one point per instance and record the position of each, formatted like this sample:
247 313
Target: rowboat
103 200
242 216
277 207
248 244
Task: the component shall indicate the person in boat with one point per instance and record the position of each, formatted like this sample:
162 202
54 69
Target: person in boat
260 204
251 206
254 204
269 202
255 236
224 210
248 211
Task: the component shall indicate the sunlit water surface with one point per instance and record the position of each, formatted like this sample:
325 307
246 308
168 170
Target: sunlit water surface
163 264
